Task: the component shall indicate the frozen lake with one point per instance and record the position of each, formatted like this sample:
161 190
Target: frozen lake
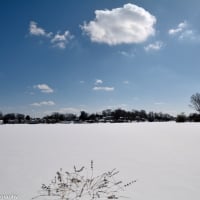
163 157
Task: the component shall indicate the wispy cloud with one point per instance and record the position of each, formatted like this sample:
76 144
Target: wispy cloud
159 103
127 53
57 40
126 82
44 88
43 103
61 40
108 89
124 25
156 46
191 35
184 32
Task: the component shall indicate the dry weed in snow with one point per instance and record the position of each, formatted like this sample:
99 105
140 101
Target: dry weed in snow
78 185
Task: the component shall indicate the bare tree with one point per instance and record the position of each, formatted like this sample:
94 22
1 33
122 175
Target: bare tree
195 102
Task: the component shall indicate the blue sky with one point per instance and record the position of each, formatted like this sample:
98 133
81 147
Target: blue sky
72 55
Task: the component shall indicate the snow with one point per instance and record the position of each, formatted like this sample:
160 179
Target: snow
163 157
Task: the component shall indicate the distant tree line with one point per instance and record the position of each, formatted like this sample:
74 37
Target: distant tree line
14 118
193 117
113 116
108 115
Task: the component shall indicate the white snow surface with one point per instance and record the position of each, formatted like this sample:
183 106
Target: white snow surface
164 158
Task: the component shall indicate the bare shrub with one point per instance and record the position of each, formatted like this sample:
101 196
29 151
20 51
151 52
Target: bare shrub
79 185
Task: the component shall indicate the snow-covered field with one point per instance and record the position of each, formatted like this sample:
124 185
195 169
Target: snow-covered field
163 157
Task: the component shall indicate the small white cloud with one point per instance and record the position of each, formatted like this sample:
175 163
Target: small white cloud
43 103
190 35
82 82
124 53
98 82
44 88
154 46
61 40
108 89
57 40
180 28
127 54
184 32
35 30
125 25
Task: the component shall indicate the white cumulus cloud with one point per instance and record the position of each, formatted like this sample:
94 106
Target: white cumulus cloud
44 88
124 25
108 89
43 103
154 46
